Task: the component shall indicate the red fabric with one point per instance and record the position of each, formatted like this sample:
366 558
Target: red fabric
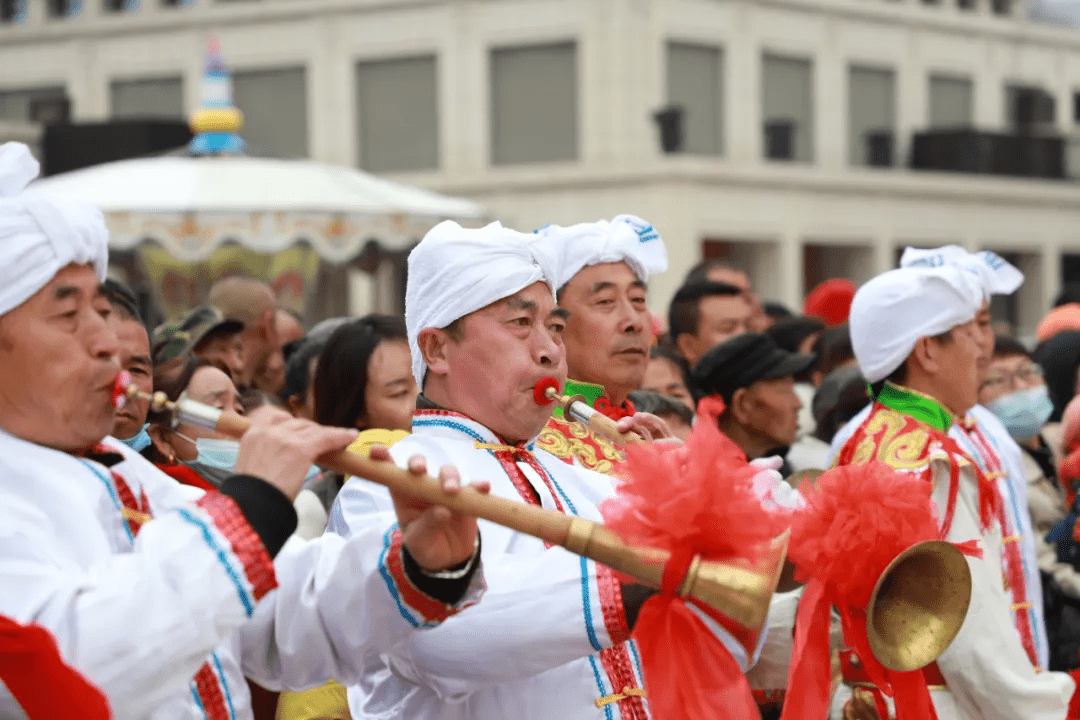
604 406
689 674
1074 702
674 497
44 686
856 520
830 301
247 546
186 476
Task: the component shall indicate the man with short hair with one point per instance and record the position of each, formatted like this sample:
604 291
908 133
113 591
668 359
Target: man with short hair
270 376
722 272
756 379
252 303
666 375
601 271
134 357
163 596
551 639
917 343
704 314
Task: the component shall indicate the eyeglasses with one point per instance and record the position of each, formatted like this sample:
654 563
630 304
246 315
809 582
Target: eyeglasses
1024 376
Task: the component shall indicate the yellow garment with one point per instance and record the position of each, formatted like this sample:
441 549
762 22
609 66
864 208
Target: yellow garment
376 436
329 702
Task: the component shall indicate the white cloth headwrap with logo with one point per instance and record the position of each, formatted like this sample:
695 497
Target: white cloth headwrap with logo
455 271
892 311
626 239
41 234
997 276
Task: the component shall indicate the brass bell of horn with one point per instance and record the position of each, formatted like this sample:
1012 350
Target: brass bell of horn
918 605
740 590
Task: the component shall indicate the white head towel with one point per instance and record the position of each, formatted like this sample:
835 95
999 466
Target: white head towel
892 311
997 276
455 271
626 239
41 234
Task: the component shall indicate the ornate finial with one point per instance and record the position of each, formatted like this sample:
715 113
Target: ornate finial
218 121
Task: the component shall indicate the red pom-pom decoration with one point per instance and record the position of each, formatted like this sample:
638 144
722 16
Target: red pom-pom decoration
119 390
540 390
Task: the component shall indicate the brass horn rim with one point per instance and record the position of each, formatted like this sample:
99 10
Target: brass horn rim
927 642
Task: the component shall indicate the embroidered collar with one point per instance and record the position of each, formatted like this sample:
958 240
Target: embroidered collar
430 419
918 405
594 395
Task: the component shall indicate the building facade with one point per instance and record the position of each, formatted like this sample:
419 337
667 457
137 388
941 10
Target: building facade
801 119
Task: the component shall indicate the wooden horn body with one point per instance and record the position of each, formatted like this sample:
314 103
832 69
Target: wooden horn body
739 590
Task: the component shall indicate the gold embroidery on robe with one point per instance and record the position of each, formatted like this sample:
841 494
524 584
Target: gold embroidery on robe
573 441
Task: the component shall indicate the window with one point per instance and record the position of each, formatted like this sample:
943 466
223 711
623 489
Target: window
871 116
694 77
1028 107
788 108
49 104
145 99
951 102
274 103
59 8
534 104
398 113
12 11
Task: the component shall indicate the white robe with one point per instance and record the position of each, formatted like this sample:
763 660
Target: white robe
1013 488
530 650
987 672
141 616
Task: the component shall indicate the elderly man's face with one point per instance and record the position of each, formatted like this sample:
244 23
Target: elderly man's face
771 410
135 358
984 336
958 360
607 329
60 359
489 371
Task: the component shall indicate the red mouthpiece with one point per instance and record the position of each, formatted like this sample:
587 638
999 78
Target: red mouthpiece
119 389
540 390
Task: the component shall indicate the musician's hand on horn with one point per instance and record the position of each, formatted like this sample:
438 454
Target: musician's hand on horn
436 537
647 425
280 448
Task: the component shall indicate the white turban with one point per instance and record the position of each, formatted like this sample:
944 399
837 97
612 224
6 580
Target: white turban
892 311
41 234
626 239
997 276
455 271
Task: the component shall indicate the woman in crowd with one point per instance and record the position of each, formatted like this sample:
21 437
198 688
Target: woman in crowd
363 379
190 454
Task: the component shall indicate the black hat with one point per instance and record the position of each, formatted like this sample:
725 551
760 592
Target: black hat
742 361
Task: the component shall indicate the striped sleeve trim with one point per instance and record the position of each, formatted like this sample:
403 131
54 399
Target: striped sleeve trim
611 604
419 609
246 545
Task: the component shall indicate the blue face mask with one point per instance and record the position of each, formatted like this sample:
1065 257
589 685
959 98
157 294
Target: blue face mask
139 441
1024 412
221 455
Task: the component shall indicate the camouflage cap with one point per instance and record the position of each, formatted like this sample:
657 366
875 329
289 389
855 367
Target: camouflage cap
180 337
